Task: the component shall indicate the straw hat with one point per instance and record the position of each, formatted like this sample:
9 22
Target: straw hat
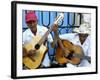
84 28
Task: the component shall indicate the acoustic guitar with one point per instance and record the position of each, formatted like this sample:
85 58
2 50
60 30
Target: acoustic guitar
33 61
67 52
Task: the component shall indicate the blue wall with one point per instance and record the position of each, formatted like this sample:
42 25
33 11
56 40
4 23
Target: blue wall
47 18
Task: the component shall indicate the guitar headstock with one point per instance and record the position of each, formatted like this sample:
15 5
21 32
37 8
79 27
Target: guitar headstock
59 18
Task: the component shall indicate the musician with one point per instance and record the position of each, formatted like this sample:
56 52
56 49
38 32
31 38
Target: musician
81 37
33 30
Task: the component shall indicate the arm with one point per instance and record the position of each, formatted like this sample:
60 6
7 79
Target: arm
59 40
50 39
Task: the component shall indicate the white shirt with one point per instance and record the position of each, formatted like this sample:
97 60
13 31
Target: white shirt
74 38
41 30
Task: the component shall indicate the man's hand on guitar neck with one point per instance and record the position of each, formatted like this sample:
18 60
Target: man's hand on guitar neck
55 27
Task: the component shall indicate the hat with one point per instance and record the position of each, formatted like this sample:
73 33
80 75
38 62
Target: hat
30 16
84 28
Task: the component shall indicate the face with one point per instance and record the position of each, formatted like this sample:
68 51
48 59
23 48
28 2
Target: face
32 25
83 35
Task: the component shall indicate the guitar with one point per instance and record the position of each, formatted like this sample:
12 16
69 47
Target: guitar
33 61
67 52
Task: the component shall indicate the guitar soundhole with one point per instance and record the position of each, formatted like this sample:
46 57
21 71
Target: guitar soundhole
37 46
70 56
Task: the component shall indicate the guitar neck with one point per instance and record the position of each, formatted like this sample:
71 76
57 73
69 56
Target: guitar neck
83 57
45 36
42 40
